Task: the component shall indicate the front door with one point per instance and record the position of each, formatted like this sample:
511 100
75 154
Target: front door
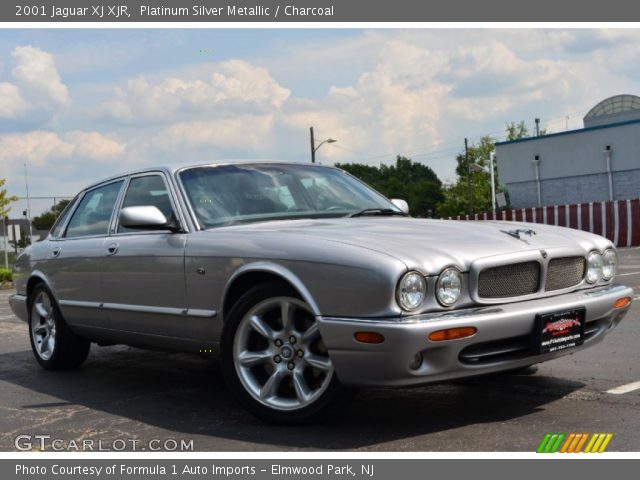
143 279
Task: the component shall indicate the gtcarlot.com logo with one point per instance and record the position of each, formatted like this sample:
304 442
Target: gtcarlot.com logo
574 443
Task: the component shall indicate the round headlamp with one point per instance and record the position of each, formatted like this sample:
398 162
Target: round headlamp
609 264
449 287
594 267
411 291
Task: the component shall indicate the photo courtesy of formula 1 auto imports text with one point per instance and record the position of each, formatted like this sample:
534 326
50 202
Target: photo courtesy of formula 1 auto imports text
319 239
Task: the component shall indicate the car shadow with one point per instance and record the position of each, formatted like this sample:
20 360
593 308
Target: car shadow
185 395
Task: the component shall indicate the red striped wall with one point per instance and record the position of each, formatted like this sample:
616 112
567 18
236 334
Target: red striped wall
619 220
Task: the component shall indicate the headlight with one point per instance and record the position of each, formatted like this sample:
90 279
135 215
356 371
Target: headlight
594 267
411 291
609 264
449 287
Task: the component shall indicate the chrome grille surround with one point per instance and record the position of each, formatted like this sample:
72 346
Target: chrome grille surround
512 280
565 272
562 268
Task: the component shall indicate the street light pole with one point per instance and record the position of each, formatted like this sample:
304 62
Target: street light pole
492 156
314 147
469 186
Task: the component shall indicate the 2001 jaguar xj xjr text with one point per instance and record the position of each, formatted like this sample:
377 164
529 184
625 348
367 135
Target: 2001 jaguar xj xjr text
307 282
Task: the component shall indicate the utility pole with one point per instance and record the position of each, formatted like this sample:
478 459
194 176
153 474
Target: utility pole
537 127
469 186
5 234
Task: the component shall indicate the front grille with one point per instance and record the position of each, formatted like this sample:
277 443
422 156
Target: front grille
509 280
565 272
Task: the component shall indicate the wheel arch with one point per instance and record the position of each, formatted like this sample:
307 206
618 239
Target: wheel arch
253 274
36 278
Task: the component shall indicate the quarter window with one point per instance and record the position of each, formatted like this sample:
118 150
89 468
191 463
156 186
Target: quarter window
93 214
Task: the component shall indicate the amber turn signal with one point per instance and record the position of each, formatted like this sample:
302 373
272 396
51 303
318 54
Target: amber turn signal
622 302
368 337
452 333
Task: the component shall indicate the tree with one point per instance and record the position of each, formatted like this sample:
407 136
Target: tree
516 131
456 201
46 220
412 181
5 200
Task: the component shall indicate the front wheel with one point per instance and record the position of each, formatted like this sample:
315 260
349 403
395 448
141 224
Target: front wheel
274 359
54 345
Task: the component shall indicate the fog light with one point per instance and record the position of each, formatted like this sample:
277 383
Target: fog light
622 302
452 333
416 362
368 337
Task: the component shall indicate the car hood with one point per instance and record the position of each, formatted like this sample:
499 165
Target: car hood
432 244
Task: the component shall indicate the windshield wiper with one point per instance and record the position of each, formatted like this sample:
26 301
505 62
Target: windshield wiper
382 212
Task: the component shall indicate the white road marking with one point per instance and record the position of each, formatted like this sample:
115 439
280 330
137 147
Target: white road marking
627 274
629 387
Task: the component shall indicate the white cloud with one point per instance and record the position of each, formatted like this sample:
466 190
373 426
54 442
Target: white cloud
94 145
230 87
36 74
247 132
40 148
35 86
36 147
12 104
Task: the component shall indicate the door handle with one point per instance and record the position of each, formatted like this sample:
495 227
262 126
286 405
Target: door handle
112 249
55 252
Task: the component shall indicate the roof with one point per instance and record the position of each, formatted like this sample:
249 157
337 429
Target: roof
571 132
615 104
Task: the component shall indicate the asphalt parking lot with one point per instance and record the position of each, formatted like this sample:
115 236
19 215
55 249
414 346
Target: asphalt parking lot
124 397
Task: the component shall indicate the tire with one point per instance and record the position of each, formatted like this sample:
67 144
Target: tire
279 371
54 345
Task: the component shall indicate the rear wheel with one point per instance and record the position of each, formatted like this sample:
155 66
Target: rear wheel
54 345
275 361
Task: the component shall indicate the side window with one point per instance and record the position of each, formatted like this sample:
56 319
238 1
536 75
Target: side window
94 212
56 230
149 190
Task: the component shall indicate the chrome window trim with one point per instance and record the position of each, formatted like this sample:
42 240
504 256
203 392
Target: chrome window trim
113 229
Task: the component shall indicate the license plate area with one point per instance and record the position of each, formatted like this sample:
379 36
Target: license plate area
558 331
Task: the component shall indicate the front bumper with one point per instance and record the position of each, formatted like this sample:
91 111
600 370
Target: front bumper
502 342
18 304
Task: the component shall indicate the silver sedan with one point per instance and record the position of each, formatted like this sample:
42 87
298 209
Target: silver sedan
307 283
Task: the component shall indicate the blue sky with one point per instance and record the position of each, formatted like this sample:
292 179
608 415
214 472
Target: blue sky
79 105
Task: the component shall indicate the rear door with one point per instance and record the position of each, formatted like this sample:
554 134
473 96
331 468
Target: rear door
75 261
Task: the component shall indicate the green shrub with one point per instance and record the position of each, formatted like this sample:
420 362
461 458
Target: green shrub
6 276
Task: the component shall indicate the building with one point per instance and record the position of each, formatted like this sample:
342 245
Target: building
599 162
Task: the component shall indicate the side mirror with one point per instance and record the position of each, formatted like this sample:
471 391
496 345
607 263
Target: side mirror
401 204
146 217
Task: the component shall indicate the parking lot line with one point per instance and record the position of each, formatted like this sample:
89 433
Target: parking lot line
626 274
629 387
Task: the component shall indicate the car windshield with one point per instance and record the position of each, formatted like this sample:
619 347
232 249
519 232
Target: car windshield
231 194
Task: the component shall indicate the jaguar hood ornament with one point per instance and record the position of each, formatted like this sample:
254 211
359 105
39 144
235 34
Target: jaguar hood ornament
520 231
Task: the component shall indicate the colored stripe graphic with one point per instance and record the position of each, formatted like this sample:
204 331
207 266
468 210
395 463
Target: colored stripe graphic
574 443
